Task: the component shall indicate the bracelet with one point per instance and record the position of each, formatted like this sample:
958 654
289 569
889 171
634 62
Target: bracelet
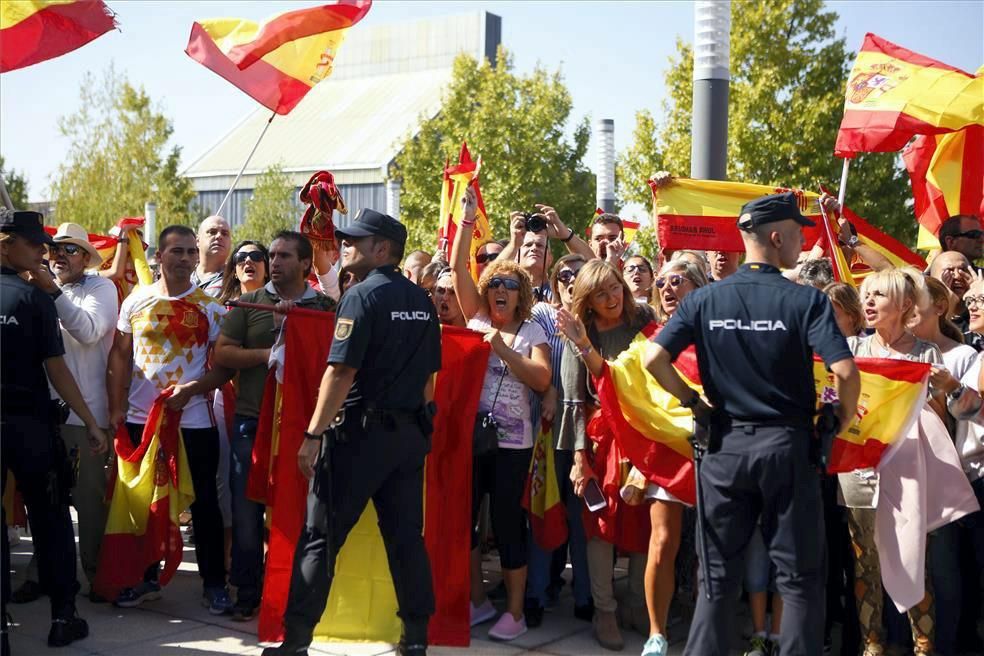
463 222
694 400
583 351
312 436
568 237
956 394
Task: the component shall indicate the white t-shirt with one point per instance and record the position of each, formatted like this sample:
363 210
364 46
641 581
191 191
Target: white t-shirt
512 408
171 339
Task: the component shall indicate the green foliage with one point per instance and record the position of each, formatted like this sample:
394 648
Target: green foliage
639 162
271 209
786 102
516 124
16 186
118 158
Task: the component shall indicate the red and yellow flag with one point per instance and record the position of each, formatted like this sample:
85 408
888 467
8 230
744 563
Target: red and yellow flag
894 94
893 392
889 247
278 61
457 178
153 486
32 31
541 498
947 176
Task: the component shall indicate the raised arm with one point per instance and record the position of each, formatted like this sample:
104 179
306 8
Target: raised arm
461 279
557 229
517 230
96 316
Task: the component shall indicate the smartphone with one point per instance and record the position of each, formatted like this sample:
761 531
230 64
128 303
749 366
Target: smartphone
593 497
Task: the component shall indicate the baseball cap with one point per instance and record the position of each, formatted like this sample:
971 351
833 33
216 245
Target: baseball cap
771 208
370 223
25 223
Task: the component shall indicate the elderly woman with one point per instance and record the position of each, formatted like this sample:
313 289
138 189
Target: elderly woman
500 306
890 299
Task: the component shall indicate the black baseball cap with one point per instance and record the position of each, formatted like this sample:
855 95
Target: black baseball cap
25 223
370 223
772 208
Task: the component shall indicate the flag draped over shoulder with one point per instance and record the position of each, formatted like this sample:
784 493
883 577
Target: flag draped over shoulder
649 424
947 176
892 394
153 485
457 178
894 94
278 61
362 605
541 498
32 31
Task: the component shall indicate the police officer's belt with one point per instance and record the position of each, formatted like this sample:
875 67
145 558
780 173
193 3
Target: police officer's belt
725 423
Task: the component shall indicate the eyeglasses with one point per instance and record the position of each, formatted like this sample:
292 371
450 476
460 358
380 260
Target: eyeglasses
567 276
642 268
485 258
69 249
508 283
255 256
973 301
971 234
674 279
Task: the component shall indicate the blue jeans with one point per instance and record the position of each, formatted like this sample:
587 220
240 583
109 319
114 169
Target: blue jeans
538 575
247 516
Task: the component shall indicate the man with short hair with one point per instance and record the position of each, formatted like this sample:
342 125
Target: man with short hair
607 240
954 270
963 233
164 335
247 337
723 264
414 264
214 242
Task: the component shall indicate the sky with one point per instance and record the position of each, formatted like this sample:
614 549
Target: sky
613 56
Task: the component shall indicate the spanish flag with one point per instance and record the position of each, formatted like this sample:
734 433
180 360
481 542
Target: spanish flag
893 392
541 498
947 176
153 485
278 61
894 94
362 605
32 31
888 246
457 178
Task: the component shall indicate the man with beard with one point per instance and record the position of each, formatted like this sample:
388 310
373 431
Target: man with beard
377 397
214 242
953 269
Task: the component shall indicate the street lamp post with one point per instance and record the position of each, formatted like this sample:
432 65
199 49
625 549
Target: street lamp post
709 123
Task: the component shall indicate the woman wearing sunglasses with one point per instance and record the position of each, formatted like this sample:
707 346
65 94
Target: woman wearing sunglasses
246 270
500 306
638 273
676 279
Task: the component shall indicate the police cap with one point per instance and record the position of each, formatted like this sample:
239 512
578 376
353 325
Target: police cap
772 208
370 223
27 224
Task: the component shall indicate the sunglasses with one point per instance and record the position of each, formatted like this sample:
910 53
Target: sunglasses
255 256
675 280
642 268
567 276
973 301
485 258
971 234
68 249
508 283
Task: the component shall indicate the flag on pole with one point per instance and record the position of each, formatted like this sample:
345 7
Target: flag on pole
456 179
33 31
889 247
894 94
947 176
278 61
541 498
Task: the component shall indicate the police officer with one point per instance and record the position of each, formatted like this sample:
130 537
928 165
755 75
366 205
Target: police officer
387 345
32 346
755 334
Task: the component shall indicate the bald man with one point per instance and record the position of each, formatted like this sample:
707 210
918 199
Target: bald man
214 242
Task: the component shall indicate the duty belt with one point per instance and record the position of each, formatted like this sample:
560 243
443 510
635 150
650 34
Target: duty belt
389 418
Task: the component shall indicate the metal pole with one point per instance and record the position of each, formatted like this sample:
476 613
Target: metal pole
709 122
6 197
605 173
245 163
843 186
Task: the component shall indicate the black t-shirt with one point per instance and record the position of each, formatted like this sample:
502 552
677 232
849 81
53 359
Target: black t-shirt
387 328
755 333
29 335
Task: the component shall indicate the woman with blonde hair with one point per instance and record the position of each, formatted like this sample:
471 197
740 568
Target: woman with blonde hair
890 300
500 306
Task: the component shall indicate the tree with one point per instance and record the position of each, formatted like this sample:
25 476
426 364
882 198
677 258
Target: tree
639 162
271 209
118 158
516 124
16 185
786 102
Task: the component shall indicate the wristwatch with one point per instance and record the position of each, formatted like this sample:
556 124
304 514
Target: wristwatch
568 237
852 242
694 400
312 436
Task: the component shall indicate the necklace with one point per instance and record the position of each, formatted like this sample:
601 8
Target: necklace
885 349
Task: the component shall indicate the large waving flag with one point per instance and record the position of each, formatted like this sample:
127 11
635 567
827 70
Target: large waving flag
947 176
541 498
278 61
457 178
32 31
893 392
894 94
362 605
153 486
888 246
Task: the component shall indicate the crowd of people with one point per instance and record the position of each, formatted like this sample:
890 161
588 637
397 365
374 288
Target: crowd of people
70 336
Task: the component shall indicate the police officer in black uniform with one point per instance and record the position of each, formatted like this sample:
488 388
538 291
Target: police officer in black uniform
32 346
378 390
755 334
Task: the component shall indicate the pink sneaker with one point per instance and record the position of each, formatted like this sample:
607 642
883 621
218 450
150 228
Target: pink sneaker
481 614
507 628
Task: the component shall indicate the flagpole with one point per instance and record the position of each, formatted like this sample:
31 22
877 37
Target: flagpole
842 192
245 164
